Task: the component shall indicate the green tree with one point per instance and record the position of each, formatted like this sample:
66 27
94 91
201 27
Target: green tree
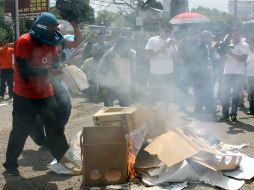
81 7
219 21
5 28
109 17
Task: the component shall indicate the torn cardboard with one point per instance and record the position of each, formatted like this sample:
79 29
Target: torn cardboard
176 146
144 160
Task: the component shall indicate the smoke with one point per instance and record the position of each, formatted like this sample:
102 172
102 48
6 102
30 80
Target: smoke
124 74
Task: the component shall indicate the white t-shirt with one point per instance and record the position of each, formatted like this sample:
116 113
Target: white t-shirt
234 66
161 63
250 64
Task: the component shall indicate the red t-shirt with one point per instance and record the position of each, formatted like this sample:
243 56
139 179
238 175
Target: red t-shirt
6 57
39 56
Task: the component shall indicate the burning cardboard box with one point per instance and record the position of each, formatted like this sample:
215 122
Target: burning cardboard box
127 117
132 119
105 156
108 149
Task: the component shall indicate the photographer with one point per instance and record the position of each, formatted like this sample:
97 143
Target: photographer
36 62
233 75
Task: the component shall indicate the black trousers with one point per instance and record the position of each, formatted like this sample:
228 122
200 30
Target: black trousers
24 112
251 91
62 113
110 94
6 77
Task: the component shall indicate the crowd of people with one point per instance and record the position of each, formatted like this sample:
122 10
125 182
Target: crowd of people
167 67
174 65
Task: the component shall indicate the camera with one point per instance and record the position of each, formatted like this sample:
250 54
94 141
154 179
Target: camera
224 45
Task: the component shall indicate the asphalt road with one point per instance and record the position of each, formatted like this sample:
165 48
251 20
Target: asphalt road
33 161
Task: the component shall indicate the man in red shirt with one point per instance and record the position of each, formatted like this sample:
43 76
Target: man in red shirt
36 55
6 62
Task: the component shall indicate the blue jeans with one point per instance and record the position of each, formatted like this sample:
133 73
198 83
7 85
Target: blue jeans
234 82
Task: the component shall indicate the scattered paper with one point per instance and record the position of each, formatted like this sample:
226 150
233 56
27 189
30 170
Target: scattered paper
217 179
156 171
245 170
177 173
177 186
71 162
118 187
229 147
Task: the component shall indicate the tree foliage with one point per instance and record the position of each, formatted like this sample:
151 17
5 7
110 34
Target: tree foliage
219 21
5 28
109 17
87 11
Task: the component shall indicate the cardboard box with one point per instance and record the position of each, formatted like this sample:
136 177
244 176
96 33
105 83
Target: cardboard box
105 156
75 79
127 117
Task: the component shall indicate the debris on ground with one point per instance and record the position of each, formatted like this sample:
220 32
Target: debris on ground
176 157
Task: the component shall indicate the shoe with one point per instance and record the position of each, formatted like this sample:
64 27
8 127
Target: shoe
249 113
11 172
233 117
223 118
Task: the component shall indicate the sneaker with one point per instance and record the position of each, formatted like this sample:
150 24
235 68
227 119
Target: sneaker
223 118
233 117
11 172
249 113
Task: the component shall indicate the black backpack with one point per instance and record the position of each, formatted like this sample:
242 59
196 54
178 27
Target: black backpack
74 10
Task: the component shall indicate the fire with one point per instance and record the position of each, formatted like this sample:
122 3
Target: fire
131 161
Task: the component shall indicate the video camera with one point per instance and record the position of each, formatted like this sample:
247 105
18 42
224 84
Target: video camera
74 10
224 45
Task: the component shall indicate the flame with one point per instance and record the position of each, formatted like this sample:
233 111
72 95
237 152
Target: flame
131 161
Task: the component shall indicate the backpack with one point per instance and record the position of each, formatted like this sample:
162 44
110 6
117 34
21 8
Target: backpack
74 10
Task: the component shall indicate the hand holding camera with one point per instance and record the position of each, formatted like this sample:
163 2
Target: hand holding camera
224 46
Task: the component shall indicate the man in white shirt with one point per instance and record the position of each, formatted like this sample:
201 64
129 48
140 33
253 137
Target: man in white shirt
161 65
233 75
